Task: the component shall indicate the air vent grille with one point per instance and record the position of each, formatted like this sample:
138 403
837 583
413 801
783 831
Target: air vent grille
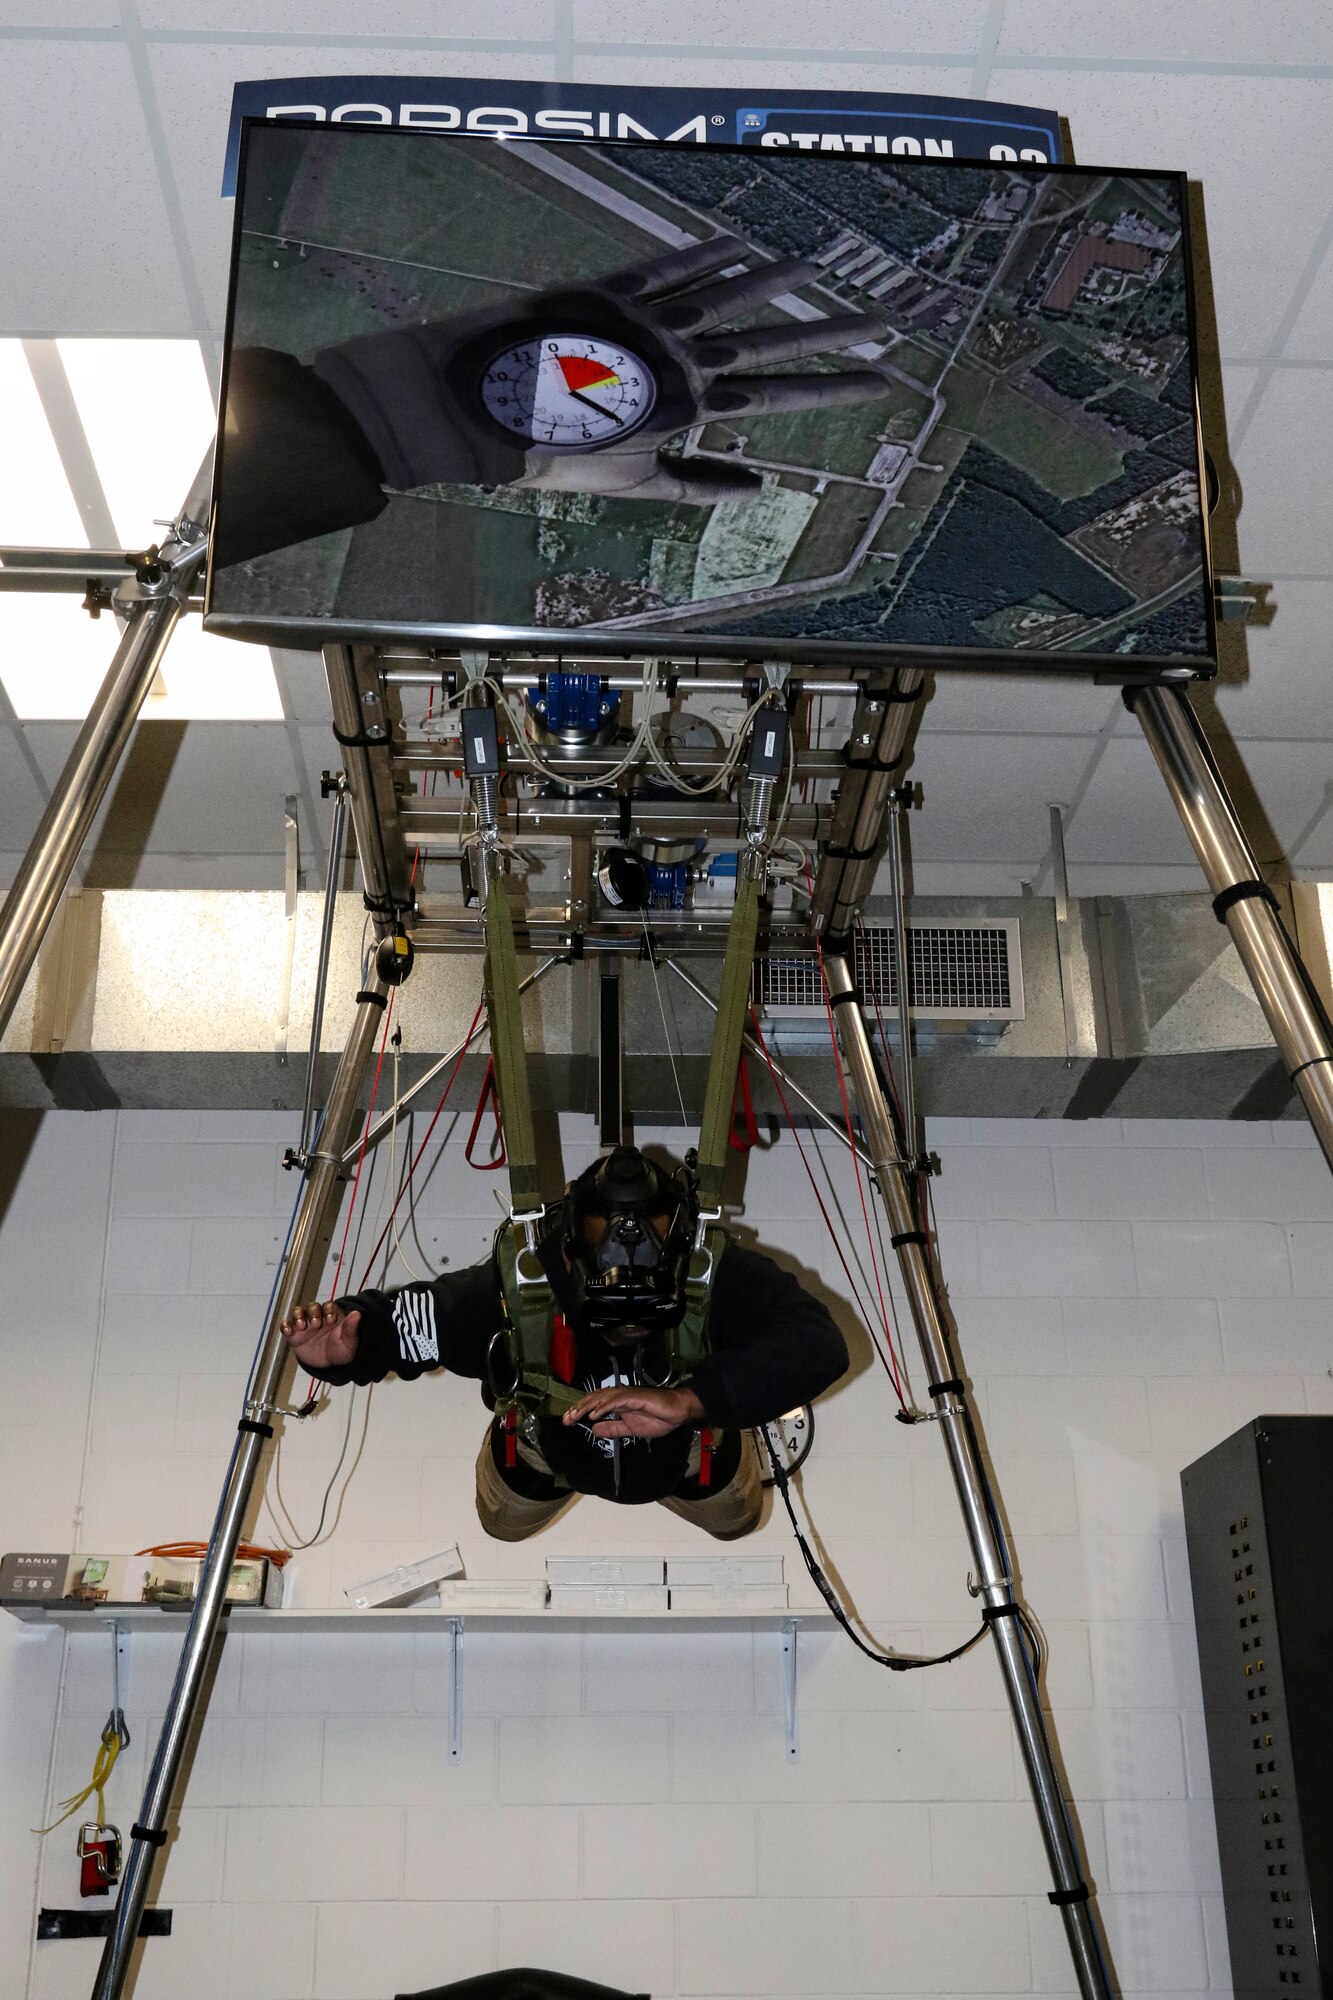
970 972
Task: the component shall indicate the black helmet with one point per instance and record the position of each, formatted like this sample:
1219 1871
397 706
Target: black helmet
634 1274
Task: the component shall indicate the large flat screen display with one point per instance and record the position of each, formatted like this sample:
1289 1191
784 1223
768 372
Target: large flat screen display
635 397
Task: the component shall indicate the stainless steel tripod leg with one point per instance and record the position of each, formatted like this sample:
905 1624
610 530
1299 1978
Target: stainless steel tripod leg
302 1268
1241 899
975 1496
88 771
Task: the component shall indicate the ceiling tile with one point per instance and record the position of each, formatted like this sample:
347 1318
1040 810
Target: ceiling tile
462 20
194 87
303 686
1265 197
949 25
989 796
1126 815
786 72
20 801
1288 691
1285 462
1290 29
188 788
84 240
1006 702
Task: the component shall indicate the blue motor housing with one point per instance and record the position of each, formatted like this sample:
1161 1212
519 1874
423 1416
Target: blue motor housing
577 703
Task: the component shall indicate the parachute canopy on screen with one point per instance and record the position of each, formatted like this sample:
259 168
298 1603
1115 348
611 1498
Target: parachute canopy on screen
650 398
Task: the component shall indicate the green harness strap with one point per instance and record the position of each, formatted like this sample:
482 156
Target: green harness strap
723 1063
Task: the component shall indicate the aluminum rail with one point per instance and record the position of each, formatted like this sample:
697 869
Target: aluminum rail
383 874
303 1265
337 850
1242 900
995 1585
428 676
45 870
878 748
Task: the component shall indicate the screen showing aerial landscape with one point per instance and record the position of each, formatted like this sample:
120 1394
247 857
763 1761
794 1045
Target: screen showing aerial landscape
657 397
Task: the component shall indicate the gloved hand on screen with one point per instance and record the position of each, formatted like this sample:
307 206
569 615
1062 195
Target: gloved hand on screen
579 388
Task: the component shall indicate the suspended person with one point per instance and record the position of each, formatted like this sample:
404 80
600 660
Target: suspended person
633 1378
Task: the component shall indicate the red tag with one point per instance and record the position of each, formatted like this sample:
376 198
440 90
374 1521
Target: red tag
705 1458
562 1349
511 1437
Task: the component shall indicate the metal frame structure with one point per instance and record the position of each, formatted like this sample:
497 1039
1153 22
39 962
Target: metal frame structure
393 816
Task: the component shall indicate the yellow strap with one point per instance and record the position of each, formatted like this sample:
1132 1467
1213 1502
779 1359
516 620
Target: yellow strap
103 1766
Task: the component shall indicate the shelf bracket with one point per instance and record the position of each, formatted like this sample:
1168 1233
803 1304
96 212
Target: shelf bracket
789 1687
455 1690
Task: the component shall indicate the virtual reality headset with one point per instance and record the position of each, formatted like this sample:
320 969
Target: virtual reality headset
628 1233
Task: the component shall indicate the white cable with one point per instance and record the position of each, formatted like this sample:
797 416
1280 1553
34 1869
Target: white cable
661 1008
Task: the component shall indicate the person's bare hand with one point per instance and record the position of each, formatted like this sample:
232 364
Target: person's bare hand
323 1336
623 1411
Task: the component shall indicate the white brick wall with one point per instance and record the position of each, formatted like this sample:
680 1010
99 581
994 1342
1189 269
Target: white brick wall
1126 1297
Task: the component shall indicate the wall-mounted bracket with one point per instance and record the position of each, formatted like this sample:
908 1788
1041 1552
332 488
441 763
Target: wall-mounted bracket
455 1691
1239 600
789 1631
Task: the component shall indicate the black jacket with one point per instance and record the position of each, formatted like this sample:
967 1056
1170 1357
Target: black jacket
773 1347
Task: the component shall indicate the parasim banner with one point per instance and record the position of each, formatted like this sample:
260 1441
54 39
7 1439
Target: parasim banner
822 121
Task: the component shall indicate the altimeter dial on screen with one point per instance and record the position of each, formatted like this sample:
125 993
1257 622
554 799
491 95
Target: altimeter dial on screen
567 391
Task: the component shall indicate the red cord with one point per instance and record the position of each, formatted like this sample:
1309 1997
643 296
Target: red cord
365 1134
860 1303
416 1158
856 1157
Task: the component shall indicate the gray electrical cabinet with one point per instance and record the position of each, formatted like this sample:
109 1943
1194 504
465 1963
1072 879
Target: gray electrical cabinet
1259 1524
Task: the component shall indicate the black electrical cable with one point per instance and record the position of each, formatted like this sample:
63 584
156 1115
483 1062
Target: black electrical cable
895 1662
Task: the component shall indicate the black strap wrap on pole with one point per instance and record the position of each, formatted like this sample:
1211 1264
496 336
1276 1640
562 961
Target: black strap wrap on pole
909 1236
955 1386
1241 892
851 998
260 1430
154 1835
875 763
1079 1894
835 853
371 999
990 1612
359 740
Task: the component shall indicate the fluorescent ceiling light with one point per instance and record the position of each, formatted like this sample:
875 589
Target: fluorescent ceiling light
147 413
54 657
37 509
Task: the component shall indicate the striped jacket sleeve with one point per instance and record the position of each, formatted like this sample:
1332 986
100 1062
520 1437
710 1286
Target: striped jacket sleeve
413 1329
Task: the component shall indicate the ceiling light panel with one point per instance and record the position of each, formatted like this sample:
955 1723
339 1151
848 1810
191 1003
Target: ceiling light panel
147 412
37 509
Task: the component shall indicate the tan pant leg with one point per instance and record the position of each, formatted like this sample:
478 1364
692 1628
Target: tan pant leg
734 1510
510 1516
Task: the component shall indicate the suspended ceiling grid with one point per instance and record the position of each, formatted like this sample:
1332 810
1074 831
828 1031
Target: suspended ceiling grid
112 123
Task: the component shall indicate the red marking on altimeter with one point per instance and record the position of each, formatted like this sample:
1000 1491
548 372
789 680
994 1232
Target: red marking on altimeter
582 372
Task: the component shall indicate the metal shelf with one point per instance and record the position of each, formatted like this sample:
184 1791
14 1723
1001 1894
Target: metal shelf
123 1619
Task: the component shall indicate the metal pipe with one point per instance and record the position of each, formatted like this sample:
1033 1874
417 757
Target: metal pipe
395 1111
975 1495
784 1076
875 755
1242 900
303 1264
98 748
349 727
337 850
911 1129
429 677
